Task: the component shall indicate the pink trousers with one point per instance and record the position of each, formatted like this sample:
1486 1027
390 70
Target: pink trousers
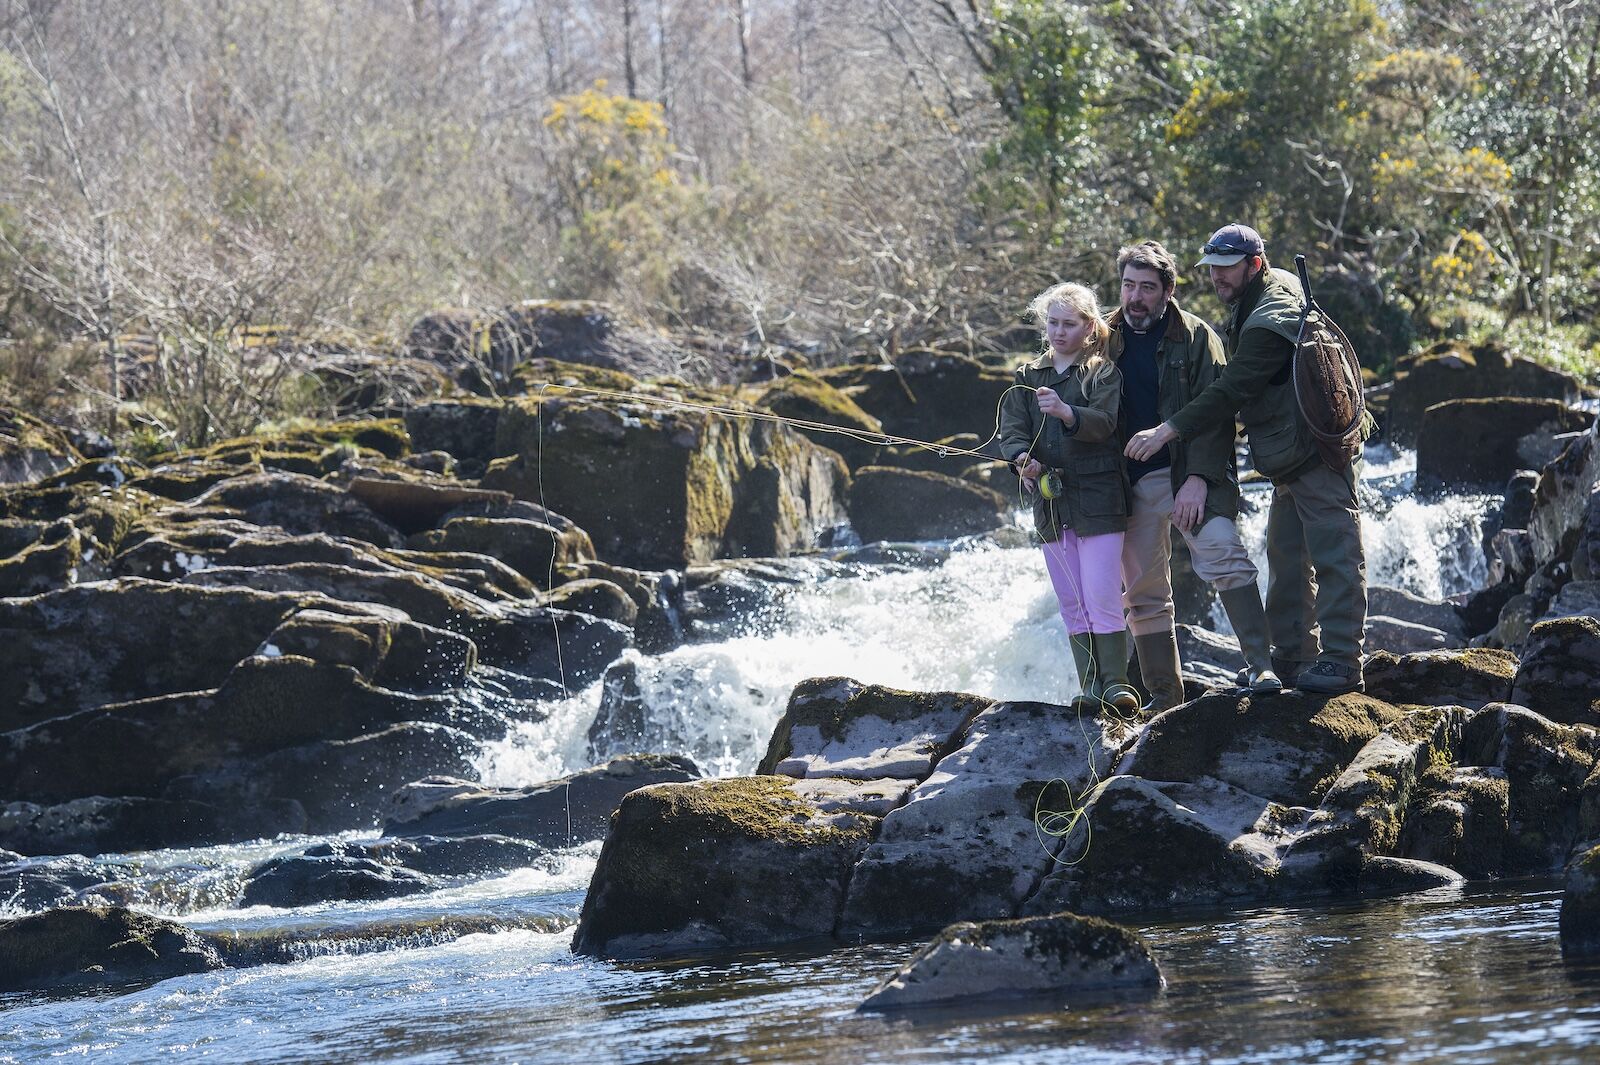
1087 575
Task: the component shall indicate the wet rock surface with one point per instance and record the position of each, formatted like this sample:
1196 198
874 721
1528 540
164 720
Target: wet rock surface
557 813
1580 907
1029 809
1030 957
99 948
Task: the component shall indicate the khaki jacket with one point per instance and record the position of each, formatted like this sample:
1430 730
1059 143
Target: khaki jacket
1190 357
1088 456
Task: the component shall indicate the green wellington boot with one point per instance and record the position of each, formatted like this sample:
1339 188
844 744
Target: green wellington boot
1111 652
1249 621
1160 669
1088 697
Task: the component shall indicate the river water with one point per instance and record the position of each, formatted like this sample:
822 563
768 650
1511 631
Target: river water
482 970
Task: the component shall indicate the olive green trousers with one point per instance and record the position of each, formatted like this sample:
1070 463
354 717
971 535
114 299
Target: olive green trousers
1316 568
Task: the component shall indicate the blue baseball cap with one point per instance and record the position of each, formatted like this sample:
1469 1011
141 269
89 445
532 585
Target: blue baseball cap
1231 244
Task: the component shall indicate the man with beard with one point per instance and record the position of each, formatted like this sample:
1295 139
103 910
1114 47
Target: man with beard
1316 571
1167 357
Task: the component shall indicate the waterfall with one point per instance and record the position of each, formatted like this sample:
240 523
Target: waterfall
983 621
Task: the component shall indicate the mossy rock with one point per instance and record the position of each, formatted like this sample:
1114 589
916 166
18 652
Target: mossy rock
301 505
43 566
548 378
597 598
105 515
1459 817
944 458
1286 748
1547 766
810 398
716 863
341 784
1560 672
386 436
1471 677
966 844
305 880
265 705
123 824
74 649
1058 954
31 449
94 948
1450 370
413 504
463 428
663 487
113 472
893 504
183 480
532 548
926 394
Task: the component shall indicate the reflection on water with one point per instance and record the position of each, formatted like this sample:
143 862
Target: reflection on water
1441 976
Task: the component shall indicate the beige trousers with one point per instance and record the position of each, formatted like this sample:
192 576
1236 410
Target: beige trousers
1215 548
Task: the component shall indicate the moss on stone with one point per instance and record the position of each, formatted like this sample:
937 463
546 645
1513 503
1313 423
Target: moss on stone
99 947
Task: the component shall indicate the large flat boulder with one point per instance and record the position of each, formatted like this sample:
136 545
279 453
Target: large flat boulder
894 504
1450 370
663 486
1286 748
1484 441
74 649
266 704
837 727
966 844
1144 844
1470 677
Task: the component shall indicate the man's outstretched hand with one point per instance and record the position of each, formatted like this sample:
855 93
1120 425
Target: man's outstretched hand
1142 446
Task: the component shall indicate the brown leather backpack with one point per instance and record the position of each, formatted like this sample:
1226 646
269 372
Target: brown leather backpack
1327 382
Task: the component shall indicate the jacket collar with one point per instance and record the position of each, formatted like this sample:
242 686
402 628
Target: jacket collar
1249 298
1045 363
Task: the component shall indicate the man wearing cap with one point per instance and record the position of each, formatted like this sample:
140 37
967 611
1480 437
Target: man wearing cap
1316 570
1167 357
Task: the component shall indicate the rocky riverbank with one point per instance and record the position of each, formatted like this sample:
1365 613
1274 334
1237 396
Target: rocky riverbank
315 630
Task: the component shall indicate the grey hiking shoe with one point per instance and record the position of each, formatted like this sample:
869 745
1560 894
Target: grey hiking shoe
1330 678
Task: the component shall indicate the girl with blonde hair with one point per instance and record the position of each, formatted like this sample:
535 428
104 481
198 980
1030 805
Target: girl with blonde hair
1060 433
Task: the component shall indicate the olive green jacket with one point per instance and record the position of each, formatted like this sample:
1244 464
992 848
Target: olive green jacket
1258 382
1189 358
1088 456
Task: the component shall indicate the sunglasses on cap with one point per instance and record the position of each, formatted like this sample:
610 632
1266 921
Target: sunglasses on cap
1227 247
